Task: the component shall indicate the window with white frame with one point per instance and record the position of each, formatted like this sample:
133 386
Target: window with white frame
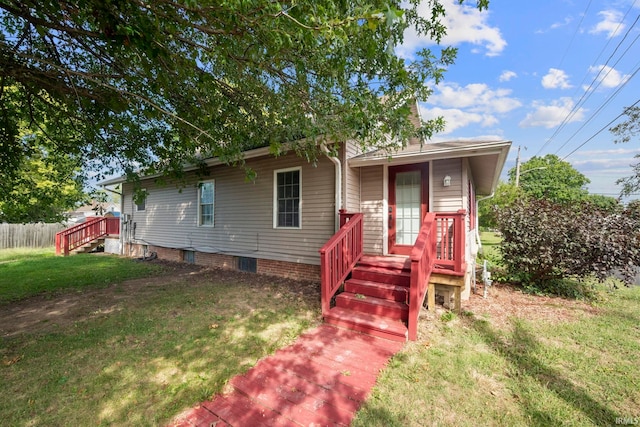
287 188
140 200
206 198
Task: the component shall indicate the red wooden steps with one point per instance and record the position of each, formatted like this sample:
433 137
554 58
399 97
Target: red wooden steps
375 298
373 305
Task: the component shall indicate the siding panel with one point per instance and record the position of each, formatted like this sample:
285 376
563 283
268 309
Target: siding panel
372 206
351 178
243 213
447 199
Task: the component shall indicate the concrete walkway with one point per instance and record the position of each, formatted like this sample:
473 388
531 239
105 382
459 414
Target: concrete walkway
320 380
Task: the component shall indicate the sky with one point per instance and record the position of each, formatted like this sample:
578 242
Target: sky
552 76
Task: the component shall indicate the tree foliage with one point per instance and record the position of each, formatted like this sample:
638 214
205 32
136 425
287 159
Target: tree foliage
505 195
625 132
43 187
545 242
150 86
551 178
38 181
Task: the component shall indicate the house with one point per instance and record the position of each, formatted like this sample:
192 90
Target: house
278 223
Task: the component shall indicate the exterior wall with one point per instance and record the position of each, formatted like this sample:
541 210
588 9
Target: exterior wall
447 199
243 213
372 206
289 270
351 178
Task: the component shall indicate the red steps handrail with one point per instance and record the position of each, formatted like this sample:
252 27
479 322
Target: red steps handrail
77 235
339 255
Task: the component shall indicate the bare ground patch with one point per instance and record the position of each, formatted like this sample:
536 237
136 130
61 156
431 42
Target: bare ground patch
48 313
506 302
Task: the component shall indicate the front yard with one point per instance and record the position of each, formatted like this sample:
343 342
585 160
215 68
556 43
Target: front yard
140 351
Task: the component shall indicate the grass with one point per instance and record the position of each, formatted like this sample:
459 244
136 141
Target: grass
490 245
167 347
27 272
466 372
150 355
580 373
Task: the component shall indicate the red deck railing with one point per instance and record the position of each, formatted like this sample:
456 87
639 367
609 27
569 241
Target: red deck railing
339 255
422 259
450 238
94 228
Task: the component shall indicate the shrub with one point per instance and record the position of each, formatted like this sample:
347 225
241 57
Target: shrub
545 243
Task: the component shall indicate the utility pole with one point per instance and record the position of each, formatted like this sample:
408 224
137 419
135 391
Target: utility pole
518 168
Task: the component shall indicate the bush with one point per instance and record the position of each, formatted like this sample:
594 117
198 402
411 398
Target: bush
545 243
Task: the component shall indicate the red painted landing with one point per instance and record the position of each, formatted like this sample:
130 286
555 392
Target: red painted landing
321 379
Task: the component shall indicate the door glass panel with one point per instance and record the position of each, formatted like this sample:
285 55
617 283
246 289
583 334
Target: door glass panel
407 207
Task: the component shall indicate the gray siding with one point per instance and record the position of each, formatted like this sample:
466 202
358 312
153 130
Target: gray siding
447 199
243 213
371 206
351 177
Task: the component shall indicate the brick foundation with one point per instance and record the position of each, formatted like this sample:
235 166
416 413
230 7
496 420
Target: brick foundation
289 270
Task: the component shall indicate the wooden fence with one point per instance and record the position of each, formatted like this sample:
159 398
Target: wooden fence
38 235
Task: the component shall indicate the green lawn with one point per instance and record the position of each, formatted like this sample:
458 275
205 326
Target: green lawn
27 272
142 354
138 354
470 373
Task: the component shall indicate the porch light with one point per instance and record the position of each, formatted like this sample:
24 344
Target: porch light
446 182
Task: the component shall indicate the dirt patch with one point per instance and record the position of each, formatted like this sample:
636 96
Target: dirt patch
505 302
47 313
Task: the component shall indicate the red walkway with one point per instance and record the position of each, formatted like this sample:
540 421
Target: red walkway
319 380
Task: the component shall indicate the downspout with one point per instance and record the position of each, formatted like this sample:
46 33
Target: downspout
338 187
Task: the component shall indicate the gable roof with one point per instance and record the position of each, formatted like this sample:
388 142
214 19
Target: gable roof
486 158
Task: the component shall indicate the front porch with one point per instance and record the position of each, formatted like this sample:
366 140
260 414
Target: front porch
382 295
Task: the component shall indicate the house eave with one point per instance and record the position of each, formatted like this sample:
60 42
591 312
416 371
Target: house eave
213 161
486 159
432 151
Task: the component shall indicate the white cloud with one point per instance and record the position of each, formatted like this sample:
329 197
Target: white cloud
464 23
556 79
471 104
568 20
477 97
456 118
608 77
507 75
553 114
611 23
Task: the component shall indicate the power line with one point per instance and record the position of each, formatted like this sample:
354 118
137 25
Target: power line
588 92
602 129
604 104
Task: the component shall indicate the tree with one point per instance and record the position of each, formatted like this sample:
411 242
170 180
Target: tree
505 195
38 181
625 132
44 187
150 86
551 178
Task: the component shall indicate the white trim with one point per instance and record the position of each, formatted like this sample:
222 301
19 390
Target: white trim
430 189
213 214
275 197
385 210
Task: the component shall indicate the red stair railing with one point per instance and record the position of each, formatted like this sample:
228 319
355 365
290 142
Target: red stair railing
94 228
339 255
422 259
450 249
